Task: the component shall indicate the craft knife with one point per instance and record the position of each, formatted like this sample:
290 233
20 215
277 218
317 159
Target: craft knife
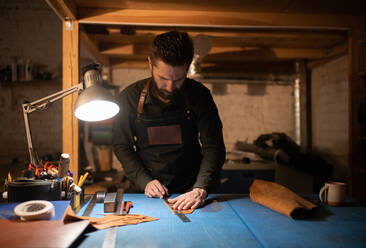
176 212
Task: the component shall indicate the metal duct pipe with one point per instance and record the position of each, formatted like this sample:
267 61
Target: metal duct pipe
297 105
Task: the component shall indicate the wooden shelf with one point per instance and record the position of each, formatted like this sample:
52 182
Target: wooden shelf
253 165
362 73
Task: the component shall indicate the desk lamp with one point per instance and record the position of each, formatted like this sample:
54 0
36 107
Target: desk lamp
94 103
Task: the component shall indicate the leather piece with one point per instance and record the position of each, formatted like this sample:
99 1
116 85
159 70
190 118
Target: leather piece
165 135
14 233
281 199
109 220
186 211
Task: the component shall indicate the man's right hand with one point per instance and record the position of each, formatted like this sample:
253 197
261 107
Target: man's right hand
155 189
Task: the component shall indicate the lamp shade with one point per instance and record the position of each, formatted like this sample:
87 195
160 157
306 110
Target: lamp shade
95 103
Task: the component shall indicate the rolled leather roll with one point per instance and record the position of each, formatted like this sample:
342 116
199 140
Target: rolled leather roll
281 199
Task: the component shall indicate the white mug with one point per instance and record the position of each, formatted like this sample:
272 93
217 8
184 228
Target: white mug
334 192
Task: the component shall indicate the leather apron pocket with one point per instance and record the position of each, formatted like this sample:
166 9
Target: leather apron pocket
165 135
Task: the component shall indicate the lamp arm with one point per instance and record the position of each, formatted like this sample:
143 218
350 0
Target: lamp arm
42 104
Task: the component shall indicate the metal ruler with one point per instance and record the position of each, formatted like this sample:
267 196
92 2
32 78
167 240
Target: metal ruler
176 212
90 206
111 234
97 197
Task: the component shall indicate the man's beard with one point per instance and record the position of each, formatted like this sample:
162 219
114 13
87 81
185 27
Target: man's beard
163 93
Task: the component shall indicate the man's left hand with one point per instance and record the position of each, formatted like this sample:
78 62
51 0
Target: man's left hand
192 199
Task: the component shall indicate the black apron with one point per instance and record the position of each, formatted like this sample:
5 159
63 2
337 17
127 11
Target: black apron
168 145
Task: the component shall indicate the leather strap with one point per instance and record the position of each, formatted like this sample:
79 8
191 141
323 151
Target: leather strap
143 94
140 107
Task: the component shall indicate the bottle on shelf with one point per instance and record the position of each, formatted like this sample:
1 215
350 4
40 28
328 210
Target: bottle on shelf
28 70
14 70
21 70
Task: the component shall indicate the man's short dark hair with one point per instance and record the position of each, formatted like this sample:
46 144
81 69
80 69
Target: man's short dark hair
173 48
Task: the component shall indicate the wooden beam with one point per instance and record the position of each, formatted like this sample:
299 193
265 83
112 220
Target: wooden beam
121 63
64 9
114 31
70 77
242 38
214 18
263 54
124 49
93 49
330 55
267 34
284 6
283 53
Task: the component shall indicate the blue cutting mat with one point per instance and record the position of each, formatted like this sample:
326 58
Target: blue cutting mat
217 226
331 227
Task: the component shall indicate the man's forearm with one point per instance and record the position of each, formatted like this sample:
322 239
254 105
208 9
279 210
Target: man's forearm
213 159
134 169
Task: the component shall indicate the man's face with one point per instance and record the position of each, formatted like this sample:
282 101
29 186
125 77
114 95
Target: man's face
168 79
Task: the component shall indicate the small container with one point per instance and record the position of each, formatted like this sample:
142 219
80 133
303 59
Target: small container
21 70
28 70
14 70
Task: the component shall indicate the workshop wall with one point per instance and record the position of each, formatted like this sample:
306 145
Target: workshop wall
330 114
45 125
246 110
31 31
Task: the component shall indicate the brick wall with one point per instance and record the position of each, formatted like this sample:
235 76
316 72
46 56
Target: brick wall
330 113
29 30
245 110
45 125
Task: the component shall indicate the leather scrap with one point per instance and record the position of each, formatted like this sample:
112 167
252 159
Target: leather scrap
281 199
186 211
107 221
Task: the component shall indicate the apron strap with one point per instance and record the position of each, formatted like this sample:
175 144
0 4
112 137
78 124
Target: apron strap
140 107
143 94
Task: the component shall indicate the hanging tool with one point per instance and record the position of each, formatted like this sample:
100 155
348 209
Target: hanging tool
176 212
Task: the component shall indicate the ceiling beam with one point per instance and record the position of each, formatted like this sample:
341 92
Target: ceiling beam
240 34
64 9
266 54
215 18
267 34
121 63
124 49
236 54
93 49
331 54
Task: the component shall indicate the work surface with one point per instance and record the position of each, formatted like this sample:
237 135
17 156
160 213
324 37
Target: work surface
231 221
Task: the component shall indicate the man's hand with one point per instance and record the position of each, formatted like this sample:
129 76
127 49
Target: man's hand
192 199
155 189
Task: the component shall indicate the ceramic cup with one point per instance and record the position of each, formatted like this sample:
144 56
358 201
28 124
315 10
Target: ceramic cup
333 193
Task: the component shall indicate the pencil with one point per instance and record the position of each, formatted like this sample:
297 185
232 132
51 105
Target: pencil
82 179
